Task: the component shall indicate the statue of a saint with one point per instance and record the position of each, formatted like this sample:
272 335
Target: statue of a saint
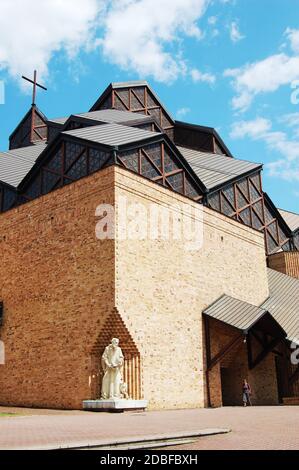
112 363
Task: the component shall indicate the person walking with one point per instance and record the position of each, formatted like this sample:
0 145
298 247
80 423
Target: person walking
246 393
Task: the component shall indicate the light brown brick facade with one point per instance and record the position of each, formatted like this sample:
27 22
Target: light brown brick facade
161 290
60 287
57 285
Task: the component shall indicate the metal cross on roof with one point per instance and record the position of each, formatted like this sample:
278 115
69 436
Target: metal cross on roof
35 84
33 131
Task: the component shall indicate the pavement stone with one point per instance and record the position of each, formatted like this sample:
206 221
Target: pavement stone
251 428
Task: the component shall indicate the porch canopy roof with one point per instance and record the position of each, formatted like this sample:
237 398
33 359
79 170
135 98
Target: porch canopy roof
283 302
244 316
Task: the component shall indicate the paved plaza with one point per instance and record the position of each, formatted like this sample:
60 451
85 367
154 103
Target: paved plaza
251 428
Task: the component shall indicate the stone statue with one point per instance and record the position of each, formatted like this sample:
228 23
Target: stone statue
112 363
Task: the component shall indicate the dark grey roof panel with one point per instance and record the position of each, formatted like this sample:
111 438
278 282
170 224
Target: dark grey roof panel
291 219
113 116
106 115
112 135
13 169
15 164
31 152
283 303
213 169
61 121
234 312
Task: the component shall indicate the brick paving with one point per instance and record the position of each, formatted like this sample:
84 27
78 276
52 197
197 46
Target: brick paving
252 428
256 428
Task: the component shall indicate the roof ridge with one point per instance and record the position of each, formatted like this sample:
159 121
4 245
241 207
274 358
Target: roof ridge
288 211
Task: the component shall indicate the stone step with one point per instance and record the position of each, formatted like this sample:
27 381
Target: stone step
154 441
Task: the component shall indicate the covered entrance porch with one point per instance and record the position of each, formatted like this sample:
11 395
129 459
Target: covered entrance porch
242 342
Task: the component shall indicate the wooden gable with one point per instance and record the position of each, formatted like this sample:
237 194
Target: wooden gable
138 99
31 129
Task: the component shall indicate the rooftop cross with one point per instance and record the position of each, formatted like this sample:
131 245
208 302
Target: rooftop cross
35 84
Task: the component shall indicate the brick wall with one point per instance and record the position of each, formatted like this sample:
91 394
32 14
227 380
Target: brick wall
161 290
285 262
57 285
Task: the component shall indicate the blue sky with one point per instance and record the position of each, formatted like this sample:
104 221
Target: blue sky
228 64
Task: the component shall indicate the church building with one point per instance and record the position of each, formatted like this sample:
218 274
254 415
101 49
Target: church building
191 323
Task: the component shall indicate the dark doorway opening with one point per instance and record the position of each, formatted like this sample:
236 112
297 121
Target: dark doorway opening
230 386
283 373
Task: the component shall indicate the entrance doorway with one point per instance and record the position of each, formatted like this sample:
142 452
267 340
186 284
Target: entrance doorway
230 387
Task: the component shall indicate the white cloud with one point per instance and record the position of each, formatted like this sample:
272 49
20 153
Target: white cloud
262 77
132 34
137 35
212 20
234 32
283 169
293 37
253 129
261 129
31 32
198 76
182 112
265 76
291 120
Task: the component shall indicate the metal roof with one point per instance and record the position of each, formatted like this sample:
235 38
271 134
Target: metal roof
235 312
291 218
15 164
283 303
113 116
105 115
112 135
13 169
61 121
213 169
32 152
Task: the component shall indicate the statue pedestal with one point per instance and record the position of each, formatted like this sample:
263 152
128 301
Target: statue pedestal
114 405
